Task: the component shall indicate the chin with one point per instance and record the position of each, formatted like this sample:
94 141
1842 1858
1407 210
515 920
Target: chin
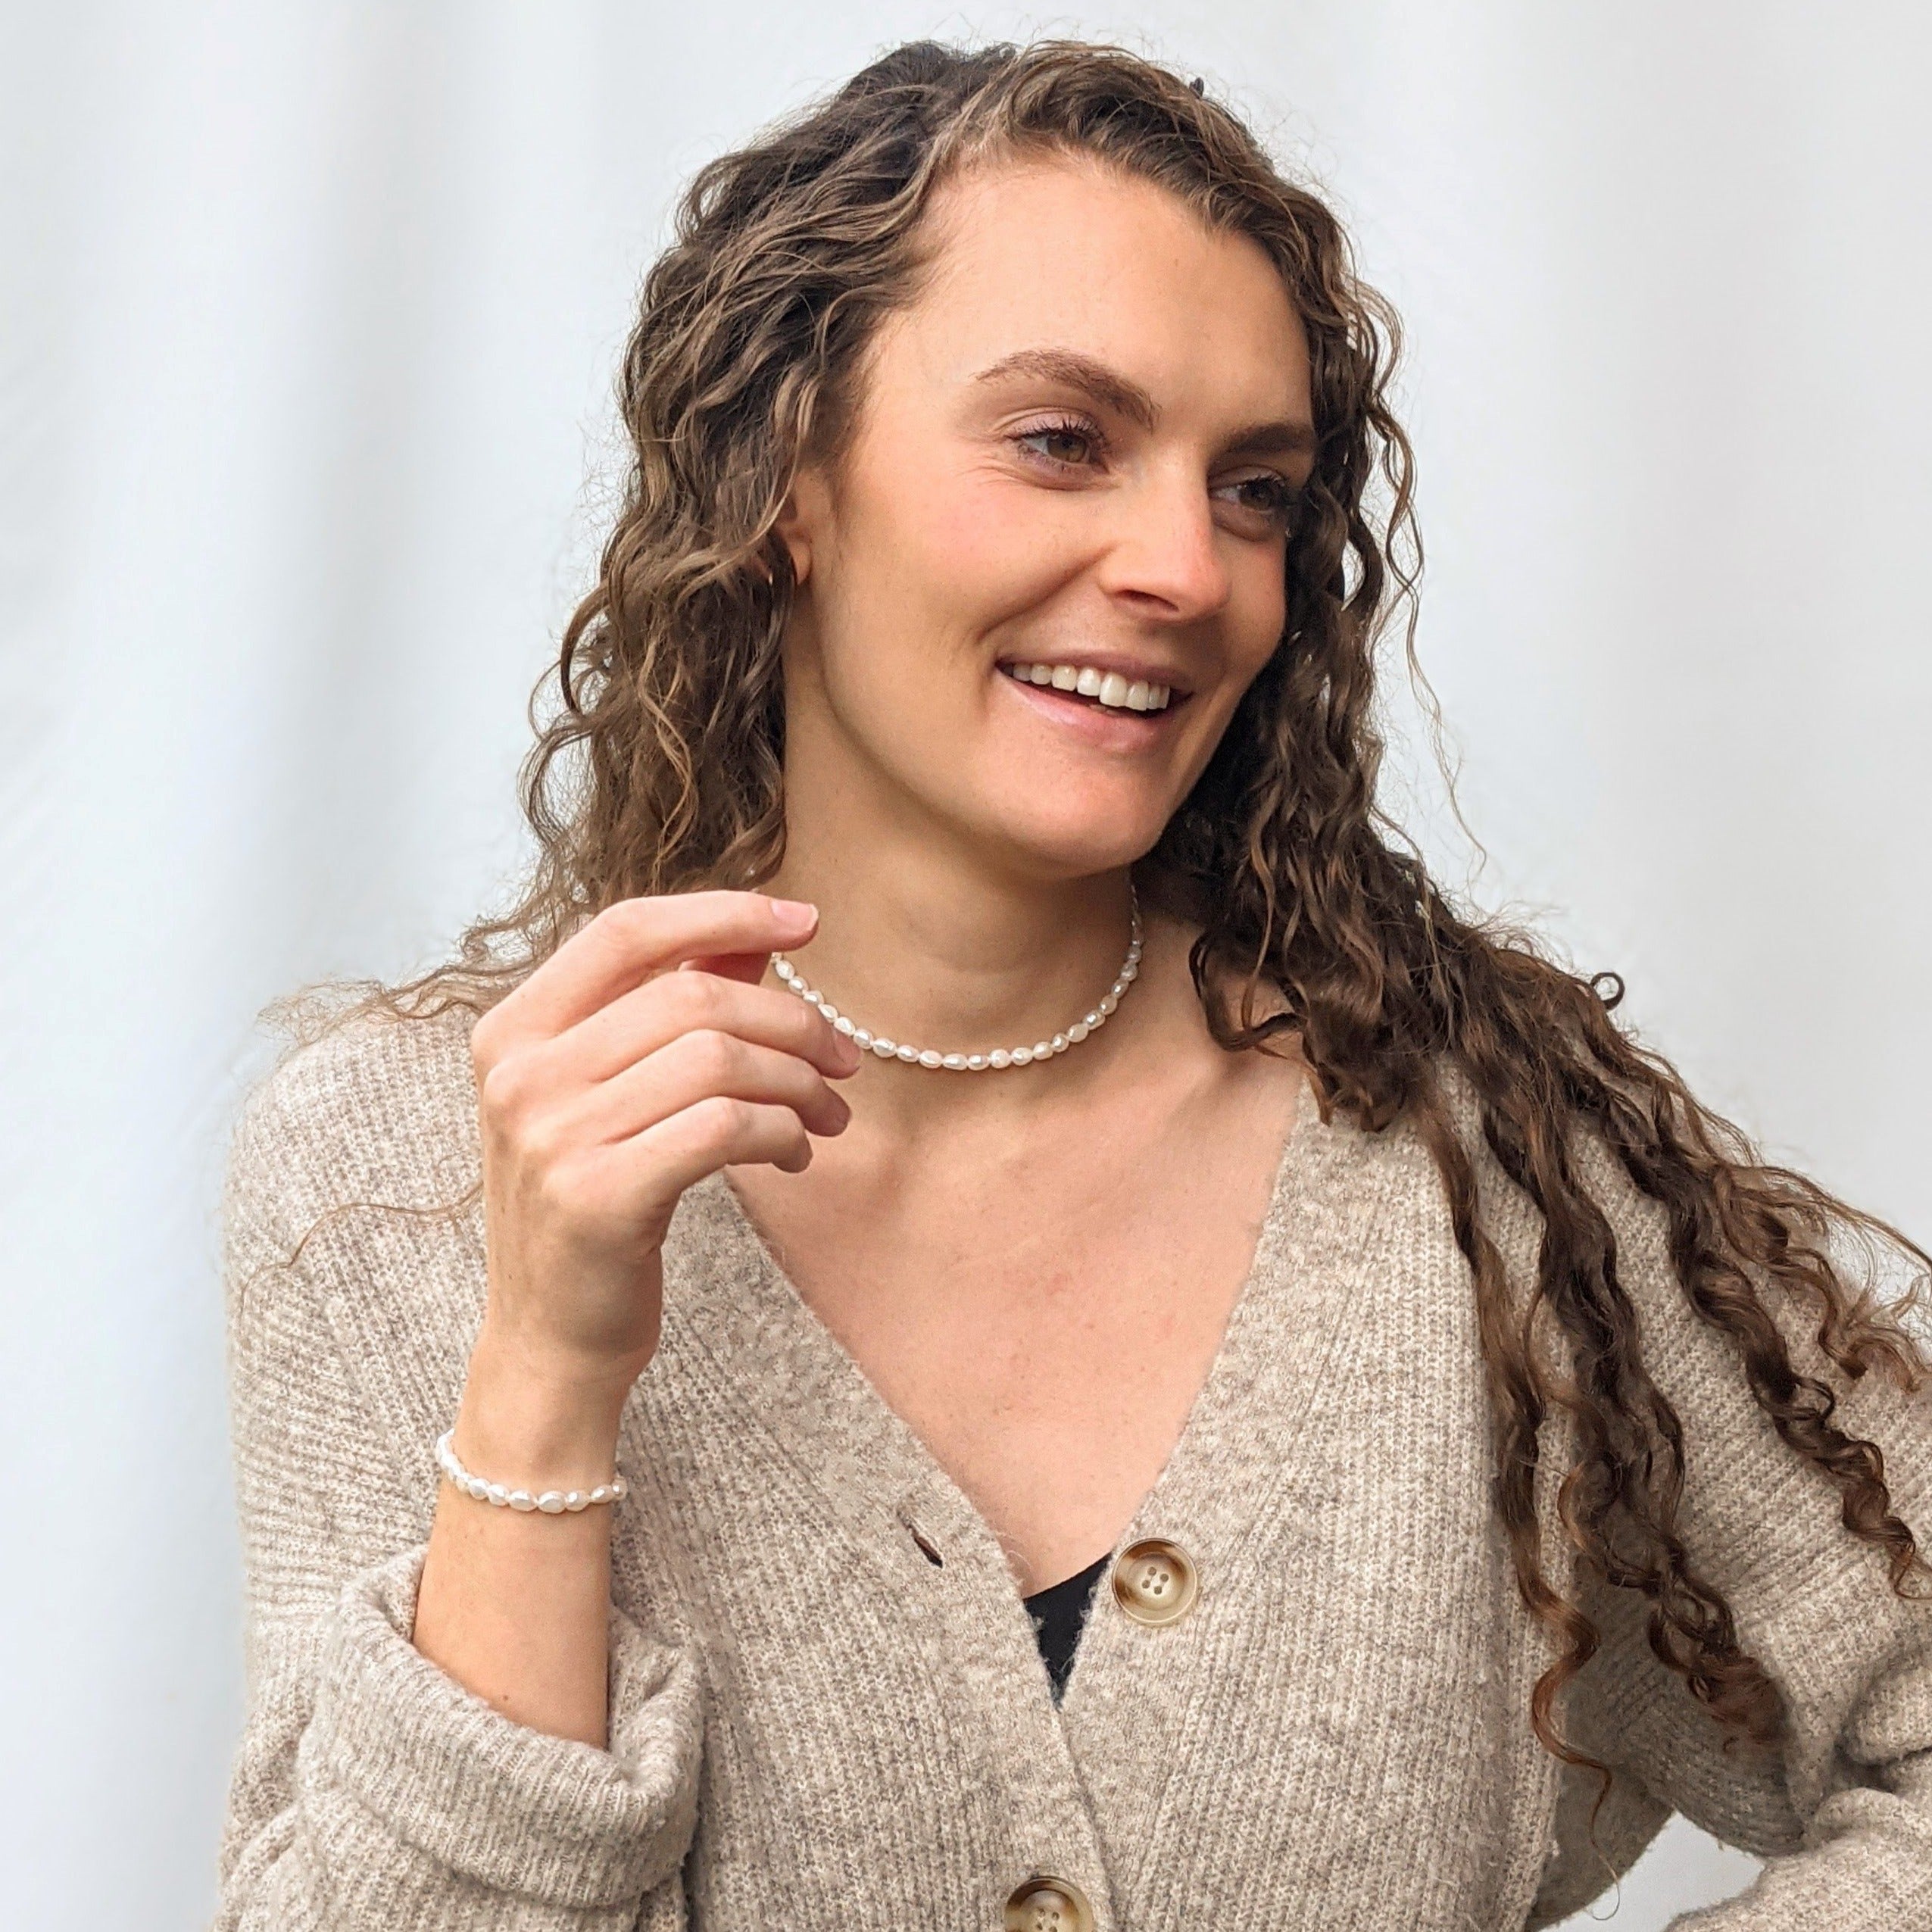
1101 842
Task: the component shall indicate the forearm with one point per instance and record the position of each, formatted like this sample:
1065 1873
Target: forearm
514 1604
1868 1869
607 1082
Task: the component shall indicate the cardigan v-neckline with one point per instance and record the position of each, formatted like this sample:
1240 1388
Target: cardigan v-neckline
803 1386
735 1321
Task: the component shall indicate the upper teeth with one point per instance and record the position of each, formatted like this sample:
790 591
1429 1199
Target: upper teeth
1109 686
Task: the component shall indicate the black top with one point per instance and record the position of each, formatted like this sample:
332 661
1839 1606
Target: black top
1058 1612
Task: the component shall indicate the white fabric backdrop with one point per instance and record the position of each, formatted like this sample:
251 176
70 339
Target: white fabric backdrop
310 318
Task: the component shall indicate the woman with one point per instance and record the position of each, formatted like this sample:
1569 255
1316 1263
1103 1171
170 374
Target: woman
1218 1392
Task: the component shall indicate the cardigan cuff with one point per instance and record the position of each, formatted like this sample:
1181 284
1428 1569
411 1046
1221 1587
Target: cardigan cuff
552 1819
1868 1867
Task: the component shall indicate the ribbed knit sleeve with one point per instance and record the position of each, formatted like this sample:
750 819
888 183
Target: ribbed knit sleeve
371 1790
1843 1812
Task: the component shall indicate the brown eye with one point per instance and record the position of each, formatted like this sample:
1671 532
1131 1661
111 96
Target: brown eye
1269 496
1060 442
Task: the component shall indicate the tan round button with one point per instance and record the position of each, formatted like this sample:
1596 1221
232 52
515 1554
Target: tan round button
1155 1581
1045 1904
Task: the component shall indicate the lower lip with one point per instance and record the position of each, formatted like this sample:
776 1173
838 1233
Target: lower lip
1097 724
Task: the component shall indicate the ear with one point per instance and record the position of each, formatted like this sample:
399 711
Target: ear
800 520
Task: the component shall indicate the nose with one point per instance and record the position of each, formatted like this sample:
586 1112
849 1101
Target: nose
1166 556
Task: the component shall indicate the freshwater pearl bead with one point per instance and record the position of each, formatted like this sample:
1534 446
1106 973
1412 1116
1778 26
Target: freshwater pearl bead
789 976
549 1502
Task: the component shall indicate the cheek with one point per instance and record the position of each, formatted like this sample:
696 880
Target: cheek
973 550
1258 606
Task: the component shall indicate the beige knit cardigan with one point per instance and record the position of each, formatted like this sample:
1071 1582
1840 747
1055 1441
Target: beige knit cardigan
827 1707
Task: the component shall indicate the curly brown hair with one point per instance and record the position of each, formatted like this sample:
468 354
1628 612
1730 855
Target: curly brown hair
661 771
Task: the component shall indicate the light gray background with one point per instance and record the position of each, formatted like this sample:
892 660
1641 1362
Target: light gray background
310 317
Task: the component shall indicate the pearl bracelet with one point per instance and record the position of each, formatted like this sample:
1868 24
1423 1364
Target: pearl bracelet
551 1502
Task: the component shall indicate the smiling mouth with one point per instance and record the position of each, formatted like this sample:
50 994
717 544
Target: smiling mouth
1107 691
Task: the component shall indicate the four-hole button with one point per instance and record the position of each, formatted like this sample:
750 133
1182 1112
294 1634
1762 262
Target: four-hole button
1046 1904
1155 1581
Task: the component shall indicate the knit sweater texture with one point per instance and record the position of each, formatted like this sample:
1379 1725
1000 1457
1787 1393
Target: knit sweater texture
827 1707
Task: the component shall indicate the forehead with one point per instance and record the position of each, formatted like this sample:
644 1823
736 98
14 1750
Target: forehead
1070 252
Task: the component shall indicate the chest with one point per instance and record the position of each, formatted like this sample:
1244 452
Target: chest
1043 1319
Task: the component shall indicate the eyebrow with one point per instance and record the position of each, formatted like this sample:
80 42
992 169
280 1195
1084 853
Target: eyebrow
1068 367
1125 396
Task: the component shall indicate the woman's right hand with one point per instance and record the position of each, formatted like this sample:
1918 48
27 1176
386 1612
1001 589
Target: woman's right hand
641 1056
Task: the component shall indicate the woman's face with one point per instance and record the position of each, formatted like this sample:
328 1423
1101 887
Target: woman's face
1077 448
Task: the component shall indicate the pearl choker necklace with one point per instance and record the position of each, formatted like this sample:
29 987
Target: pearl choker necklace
1001 1056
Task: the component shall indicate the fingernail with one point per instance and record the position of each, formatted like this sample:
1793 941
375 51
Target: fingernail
799 911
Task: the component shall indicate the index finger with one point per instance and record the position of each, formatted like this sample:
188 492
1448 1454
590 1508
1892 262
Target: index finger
636 939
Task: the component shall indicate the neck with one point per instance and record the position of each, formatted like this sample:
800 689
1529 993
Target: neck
913 944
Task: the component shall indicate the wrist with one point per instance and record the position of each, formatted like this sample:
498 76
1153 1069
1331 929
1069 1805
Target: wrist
531 1421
